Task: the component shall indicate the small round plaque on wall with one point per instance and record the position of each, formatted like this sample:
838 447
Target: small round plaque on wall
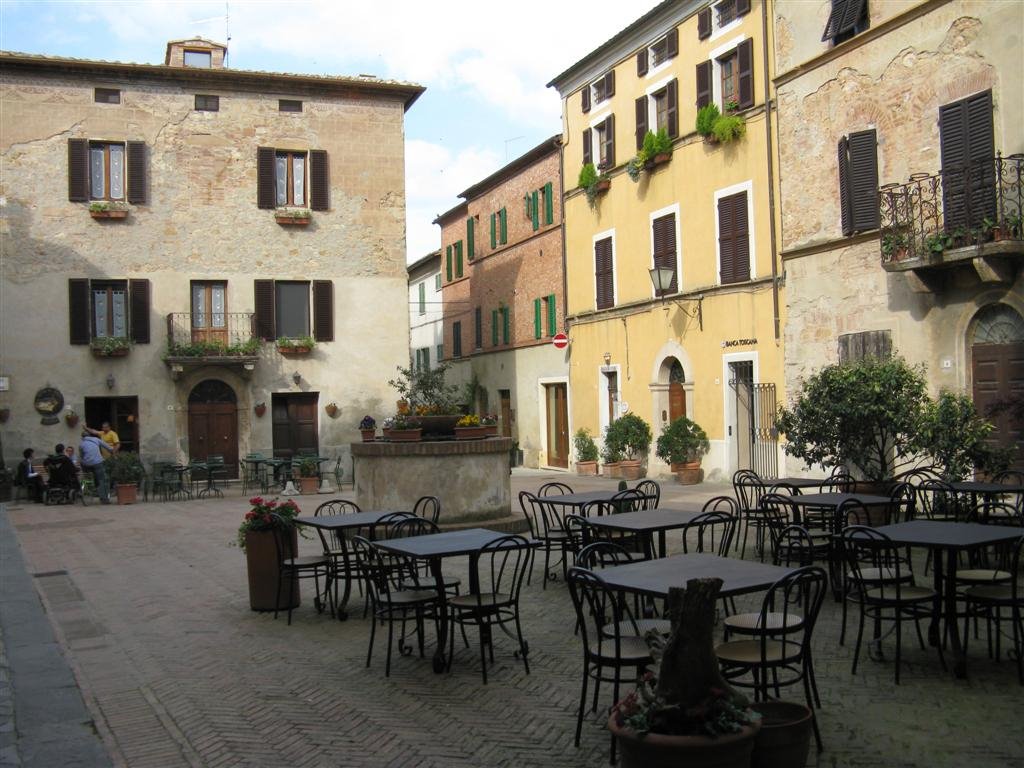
49 401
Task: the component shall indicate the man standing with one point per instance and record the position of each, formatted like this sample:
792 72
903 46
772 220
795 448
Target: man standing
92 448
110 437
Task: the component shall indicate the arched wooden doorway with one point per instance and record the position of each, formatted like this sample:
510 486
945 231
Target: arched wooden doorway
997 372
676 393
213 423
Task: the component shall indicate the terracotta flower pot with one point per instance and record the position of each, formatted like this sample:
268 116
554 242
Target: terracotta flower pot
309 485
405 435
586 467
470 433
368 435
109 214
612 469
293 351
127 493
785 736
631 469
657 750
687 472
261 564
260 408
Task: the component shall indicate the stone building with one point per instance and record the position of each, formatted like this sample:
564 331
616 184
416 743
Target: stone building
174 234
674 300
900 146
426 335
504 299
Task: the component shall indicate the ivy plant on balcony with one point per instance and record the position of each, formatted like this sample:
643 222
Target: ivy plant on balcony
592 183
248 348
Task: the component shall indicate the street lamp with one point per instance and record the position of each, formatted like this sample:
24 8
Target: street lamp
661 279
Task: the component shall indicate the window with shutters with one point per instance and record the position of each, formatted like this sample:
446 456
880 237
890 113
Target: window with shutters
100 309
656 56
604 138
282 309
471 237
423 359
457 339
206 103
604 271
458 259
506 325
545 316
422 290
106 96
725 12
847 18
209 310
290 178
551 314
858 182
106 171
603 88
549 203
437 283
721 17
114 171
440 352
734 251
727 77
499 228
291 308
664 250
287 177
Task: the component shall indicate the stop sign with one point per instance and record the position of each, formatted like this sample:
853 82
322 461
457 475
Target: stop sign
560 340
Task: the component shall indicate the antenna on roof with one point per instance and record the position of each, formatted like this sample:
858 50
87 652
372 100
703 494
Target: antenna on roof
227 32
509 141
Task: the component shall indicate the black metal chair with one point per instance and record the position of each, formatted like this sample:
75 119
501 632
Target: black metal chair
652 491
344 566
602 554
418 526
991 600
292 566
500 569
428 507
548 527
554 489
749 490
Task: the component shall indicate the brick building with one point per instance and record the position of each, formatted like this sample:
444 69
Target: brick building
164 225
504 298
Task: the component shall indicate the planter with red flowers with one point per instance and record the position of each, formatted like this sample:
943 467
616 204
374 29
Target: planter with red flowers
256 538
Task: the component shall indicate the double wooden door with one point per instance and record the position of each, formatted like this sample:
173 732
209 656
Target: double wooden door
213 430
294 424
998 373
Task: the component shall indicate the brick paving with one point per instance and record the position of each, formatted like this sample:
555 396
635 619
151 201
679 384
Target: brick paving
150 604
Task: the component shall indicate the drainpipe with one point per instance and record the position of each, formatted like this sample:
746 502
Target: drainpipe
768 101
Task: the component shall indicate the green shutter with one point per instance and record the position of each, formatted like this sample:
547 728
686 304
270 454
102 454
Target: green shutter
552 316
448 262
536 318
536 211
423 298
458 259
494 327
549 204
470 238
504 325
504 226
494 230
527 199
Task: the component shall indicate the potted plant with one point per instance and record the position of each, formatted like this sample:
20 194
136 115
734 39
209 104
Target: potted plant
332 409
125 470
937 242
586 452
260 408
592 183
489 421
300 345
71 418
682 444
368 428
728 128
469 428
1012 222
894 245
629 436
956 439
110 346
108 209
255 537
706 117
426 394
686 714
292 216
403 428
308 471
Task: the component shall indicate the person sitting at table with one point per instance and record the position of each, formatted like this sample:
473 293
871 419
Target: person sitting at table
28 477
69 451
61 469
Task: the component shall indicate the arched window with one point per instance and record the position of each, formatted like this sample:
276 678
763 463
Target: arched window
998 324
212 391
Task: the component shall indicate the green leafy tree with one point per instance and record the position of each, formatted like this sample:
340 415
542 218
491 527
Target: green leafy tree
427 389
864 415
586 448
628 435
956 438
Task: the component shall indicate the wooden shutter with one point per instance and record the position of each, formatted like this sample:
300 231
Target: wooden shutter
136 192
263 302
549 203
641 121
457 339
967 149
609 84
863 181
588 150
664 236
470 237
138 297
733 245
552 315
478 328
672 43
503 223
641 62
608 143
266 190
741 266
745 64
319 181
704 23
742 8
535 209
78 176
323 310
494 230
526 204
672 108
604 276
703 84
505 325
494 327
585 98
448 263
458 259
845 16
845 194
866 344
79 324
536 318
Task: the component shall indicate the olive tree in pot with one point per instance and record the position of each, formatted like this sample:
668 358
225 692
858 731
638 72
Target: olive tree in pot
630 437
125 471
586 452
682 444
308 475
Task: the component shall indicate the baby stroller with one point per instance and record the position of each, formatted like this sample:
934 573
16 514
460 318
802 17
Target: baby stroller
63 487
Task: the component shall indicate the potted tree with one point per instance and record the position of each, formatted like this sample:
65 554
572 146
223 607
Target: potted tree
611 459
309 480
426 394
682 444
368 428
125 470
586 452
956 439
255 537
630 437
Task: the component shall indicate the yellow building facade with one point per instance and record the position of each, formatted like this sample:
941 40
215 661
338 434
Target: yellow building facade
708 346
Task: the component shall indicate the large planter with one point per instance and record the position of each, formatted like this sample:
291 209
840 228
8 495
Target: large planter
109 214
785 736
612 469
439 426
99 352
405 435
471 433
261 563
294 351
586 467
656 750
309 485
127 493
631 469
687 472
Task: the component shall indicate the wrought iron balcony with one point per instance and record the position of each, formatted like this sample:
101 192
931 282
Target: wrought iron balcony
971 213
224 338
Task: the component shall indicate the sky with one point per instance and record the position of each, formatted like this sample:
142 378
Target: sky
484 65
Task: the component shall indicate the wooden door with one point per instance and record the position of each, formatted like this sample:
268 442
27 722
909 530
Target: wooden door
676 401
506 412
998 372
295 424
213 429
557 425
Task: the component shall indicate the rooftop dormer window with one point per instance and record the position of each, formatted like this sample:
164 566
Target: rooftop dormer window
198 59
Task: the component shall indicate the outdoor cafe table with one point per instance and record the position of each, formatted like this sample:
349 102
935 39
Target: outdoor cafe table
654 577
433 548
796 484
647 522
988 490
832 501
946 540
581 499
341 523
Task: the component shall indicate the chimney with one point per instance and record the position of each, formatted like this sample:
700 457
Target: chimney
195 52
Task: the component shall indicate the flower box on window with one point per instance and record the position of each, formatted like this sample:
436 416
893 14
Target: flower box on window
295 347
108 210
110 346
288 217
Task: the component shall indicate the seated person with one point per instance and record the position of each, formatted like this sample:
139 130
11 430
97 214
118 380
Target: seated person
28 477
62 469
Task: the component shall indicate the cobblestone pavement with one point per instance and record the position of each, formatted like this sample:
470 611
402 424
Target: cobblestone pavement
150 603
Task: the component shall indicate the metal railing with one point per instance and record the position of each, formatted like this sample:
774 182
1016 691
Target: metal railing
965 205
223 334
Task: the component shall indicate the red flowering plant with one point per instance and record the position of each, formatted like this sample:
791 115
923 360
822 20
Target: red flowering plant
267 515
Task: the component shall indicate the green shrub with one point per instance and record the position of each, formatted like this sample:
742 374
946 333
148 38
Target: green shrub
682 441
955 437
706 117
628 435
728 127
588 176
583 443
